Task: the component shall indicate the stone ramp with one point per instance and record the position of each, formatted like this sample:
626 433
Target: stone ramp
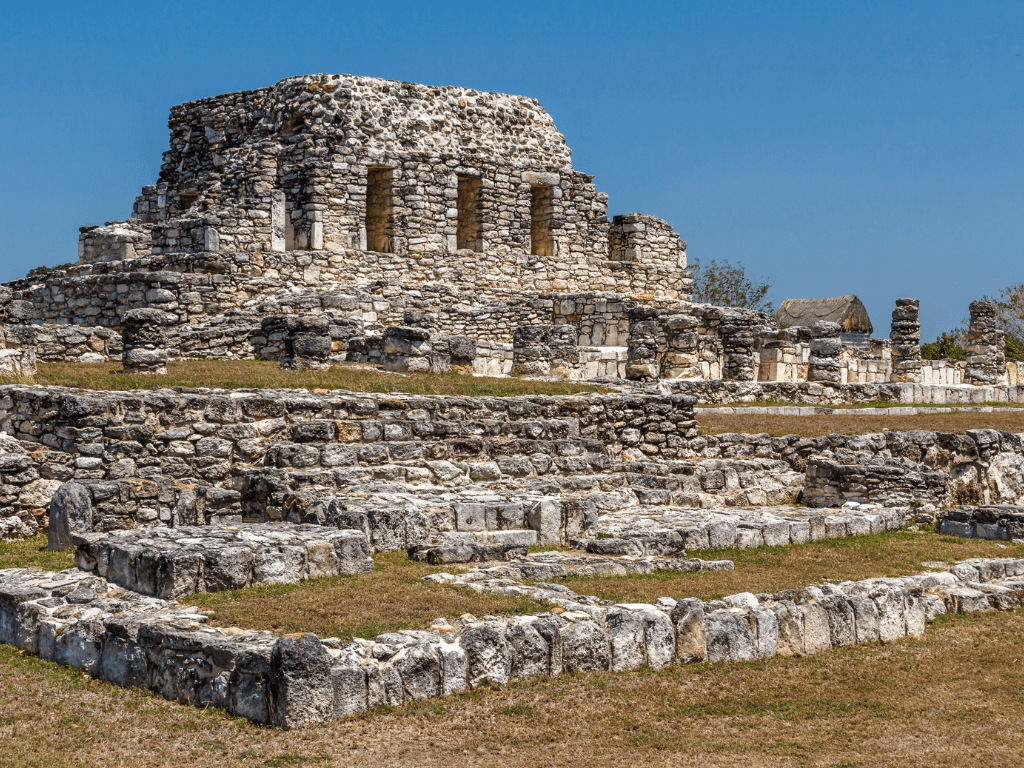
176 562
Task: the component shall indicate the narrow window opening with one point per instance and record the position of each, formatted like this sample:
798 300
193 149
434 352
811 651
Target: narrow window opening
541 241
468 233
185 200
378 210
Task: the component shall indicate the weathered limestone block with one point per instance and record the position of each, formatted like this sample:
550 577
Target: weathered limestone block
584 647
70 515
308 344
691 640
300 687
144 339
531 351
488 656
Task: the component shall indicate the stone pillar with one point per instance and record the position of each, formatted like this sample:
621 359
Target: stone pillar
986 346
681 359
531 355
308 344
461 353
643 347
738 333
906 342
407 349
825 346
564 343
277 221
144 341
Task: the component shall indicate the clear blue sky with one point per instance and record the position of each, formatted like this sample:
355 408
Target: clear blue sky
847 147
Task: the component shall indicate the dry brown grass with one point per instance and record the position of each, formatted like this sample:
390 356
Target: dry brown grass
771 569
261 374
813 426
394 596
954 698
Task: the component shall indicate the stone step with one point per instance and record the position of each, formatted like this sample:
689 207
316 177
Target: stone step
175 562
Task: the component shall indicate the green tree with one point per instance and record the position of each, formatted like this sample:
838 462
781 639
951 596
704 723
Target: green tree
948 346
727 285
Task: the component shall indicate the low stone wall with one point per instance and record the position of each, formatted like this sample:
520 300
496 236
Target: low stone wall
167 563
1000 523
815 393
885 481
113 634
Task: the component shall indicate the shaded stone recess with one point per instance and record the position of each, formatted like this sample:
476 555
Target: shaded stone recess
82 621
170 563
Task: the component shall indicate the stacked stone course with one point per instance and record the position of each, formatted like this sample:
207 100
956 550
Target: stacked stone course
985 345
906 341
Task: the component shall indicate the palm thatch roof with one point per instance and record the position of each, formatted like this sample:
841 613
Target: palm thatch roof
848 311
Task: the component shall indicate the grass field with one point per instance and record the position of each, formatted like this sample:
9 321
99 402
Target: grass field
261 374
840 424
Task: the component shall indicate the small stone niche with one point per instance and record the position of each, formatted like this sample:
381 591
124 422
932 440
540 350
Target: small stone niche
469 230
542 242
379 192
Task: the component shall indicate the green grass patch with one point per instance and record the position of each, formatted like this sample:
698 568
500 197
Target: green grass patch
262 374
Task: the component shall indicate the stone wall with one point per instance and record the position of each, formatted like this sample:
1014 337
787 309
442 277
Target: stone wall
81 621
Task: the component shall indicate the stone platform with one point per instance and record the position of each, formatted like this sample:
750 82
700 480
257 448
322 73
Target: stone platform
175 562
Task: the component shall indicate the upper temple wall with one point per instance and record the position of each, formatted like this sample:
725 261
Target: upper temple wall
343 163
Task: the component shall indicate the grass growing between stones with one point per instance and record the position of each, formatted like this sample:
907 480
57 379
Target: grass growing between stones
261 374
953 698
770 569
841 424
32 553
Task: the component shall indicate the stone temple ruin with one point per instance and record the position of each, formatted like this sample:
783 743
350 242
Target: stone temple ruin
330 219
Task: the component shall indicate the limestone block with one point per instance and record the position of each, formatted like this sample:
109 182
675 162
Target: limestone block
348 681
300 687
530 653
70 513
730 636
454 668
583 647
691 639
420 669
626 640
488 656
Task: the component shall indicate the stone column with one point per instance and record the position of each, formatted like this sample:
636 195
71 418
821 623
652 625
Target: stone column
738 333
682 358
643 347
986 346
308 344
531 355
144 340
563 342
906 342
825 347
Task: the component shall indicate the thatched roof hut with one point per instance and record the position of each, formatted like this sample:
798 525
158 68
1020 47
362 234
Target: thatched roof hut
848 311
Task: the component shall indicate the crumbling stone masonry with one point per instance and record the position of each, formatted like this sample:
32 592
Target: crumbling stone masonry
144 340
986 356
823 365
906 341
